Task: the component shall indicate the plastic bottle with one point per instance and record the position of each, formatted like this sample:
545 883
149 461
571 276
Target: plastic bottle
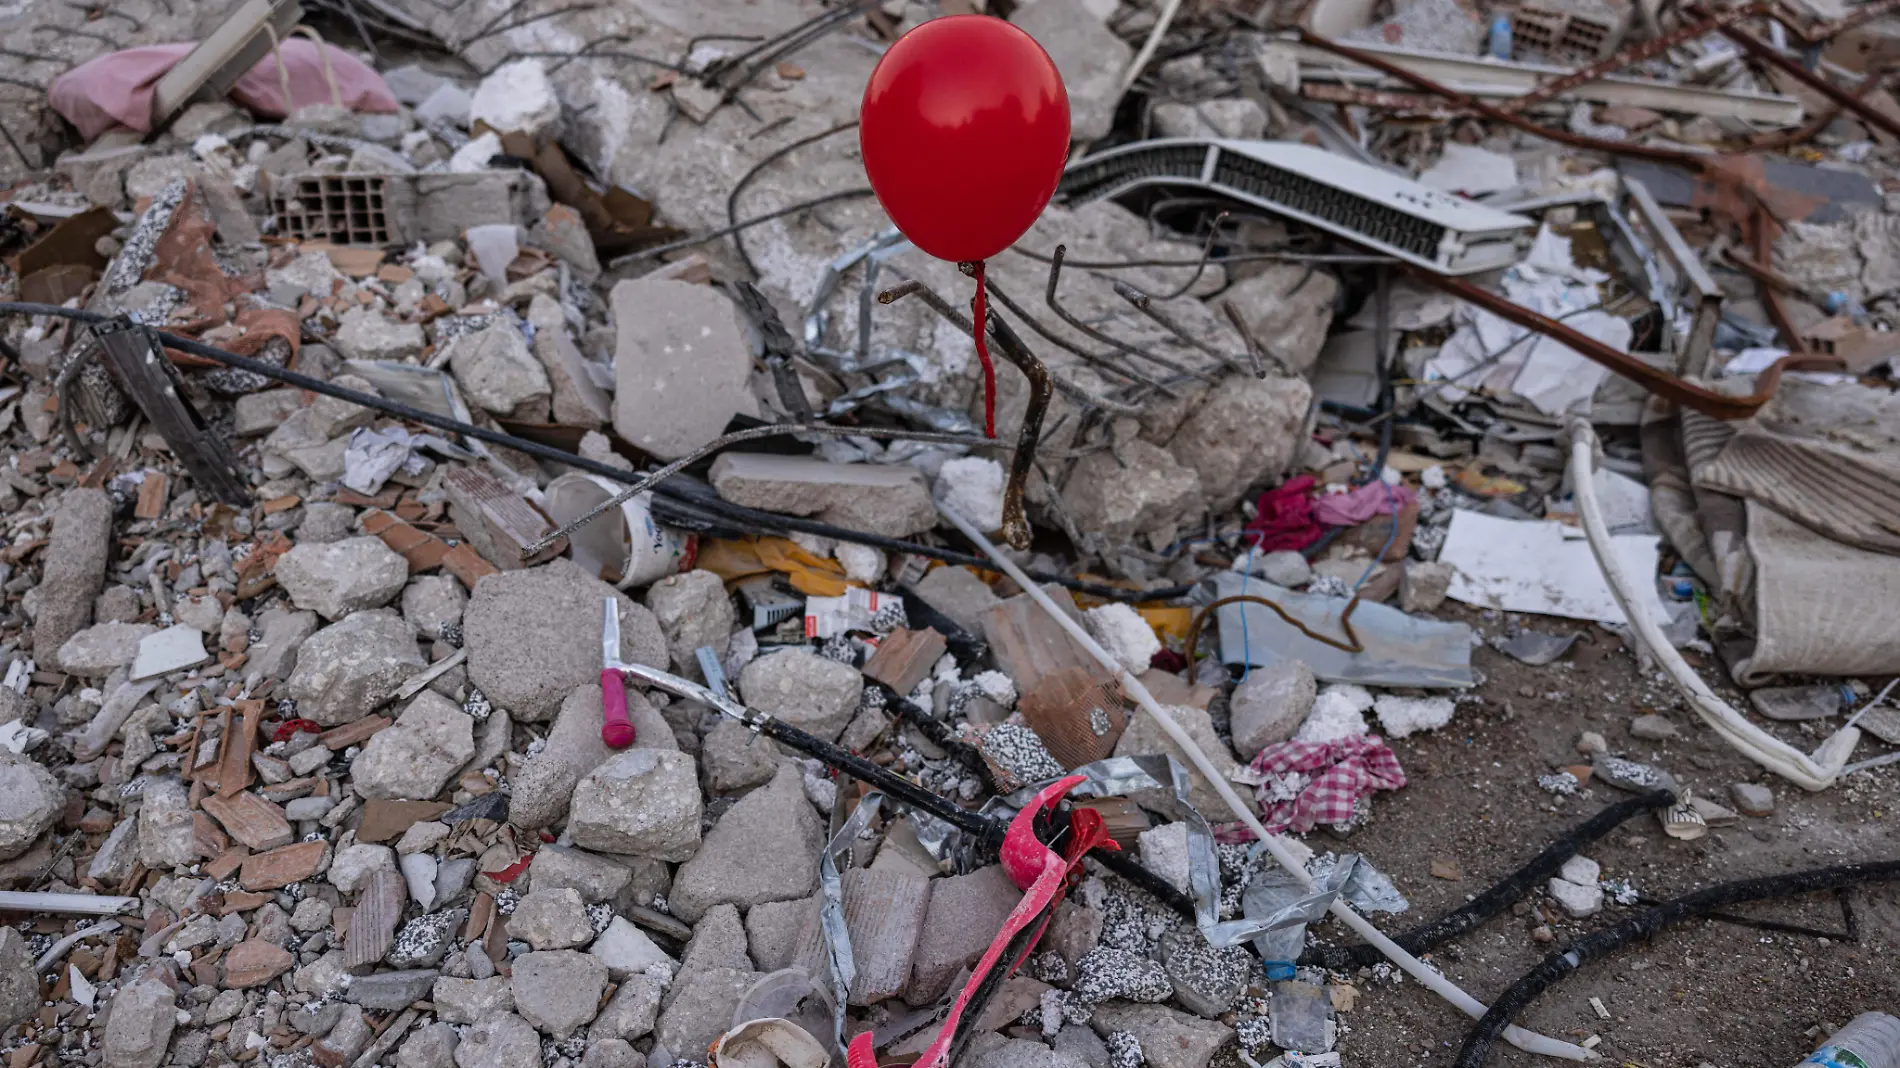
1500 44
1870 1040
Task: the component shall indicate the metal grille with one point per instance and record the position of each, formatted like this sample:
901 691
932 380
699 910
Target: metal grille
1090 180
344 209
1386 225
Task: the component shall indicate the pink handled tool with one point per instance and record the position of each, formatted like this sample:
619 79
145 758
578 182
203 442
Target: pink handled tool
615 730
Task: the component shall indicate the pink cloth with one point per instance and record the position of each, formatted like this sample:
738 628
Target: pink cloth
116 89
1284 517
1361 503
1340 773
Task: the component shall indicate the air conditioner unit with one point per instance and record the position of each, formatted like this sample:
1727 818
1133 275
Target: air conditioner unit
1364 205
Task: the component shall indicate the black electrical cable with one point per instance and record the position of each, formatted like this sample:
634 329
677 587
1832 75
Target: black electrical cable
1556 967
1501 895
740 517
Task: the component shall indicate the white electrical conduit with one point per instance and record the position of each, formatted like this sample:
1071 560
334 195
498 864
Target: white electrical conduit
1816 772
1529 1041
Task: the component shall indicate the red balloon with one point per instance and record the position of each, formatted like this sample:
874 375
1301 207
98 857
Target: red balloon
964 130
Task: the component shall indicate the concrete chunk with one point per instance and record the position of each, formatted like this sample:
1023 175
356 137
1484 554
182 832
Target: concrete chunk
499 374
19 983
74 571
965 913
682 364
1154 494
643 802
349 668
559 990
1288 309
1247 433
551 919
693 610
888 499
806 690
139 1022
884 914
341 577
1088 55
533 636
416 758
1270 704
764 849
544 786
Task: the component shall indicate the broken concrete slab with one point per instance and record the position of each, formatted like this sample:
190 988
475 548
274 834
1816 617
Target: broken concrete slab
575 400
1088 55
964 914
1270 704
1155 494
499 374
30 801
765 848
694 611
366 334
888 499
95 651
416 757
884 913
533 636
73 572
558 990
545 784
682 363
816 695
337 578
348 669
1288 308
642 802
1247 433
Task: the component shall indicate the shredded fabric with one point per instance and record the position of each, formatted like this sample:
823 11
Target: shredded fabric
1361 503
1285 517
1324 779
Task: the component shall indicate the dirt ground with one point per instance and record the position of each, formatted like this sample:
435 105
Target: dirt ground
1704 992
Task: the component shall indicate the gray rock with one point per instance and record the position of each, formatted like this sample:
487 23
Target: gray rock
391 991
1423 585
1078 1042
1653 728
30 801
965 913
1248 431
112 865
1270 704
545 785
1089 57
73 571
262 412
959 594
551 919
577 401
280 635
1794 704
1753 799
558 991
626 950
366 334
352 866
1234 118
1577 899
631 1012
1207 981
764 849
682 364
612 1053
498 373
643 802
501 1040
1024 1053
428 1047
533 636
338 578
778 933
1284 568
1108 972
596 879
95 651
693 610
333 417
324 521
417 756
139 1022
472 1000
816 695
19 983
311 914
424 941
718 942
165 826
1075 931
888 499
1169 1038
433 604
118 604
732 757
200 613
1289 310
699 1006
1153 494
346 670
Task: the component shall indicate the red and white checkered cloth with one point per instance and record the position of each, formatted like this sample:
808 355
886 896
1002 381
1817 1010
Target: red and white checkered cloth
1341 771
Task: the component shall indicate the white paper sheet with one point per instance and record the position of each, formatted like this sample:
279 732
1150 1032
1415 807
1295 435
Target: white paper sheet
1522 565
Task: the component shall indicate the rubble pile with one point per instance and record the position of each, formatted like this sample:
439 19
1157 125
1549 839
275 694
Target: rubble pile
323 600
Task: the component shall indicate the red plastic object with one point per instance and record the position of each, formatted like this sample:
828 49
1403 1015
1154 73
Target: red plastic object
615 729
964 131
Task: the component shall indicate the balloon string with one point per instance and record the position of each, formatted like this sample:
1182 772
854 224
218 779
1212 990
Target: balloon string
979 308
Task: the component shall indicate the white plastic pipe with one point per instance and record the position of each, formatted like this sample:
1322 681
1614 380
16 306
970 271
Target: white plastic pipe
1529 1041
1810 773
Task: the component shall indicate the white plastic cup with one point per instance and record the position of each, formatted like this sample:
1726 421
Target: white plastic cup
626 547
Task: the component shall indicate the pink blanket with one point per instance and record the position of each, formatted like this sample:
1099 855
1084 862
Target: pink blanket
116 89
